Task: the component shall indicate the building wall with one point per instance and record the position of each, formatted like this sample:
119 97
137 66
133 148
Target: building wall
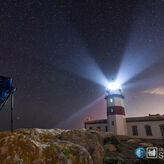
96 125
155 128
119 127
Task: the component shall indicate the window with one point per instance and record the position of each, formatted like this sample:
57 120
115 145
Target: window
90 127
162 130
134 130
148 130
113 123
111 100
111 110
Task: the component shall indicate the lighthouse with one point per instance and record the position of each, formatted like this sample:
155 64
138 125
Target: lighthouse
116 121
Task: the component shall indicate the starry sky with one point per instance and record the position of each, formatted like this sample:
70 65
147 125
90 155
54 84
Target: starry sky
59 54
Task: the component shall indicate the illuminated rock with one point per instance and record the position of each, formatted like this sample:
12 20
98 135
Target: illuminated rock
35 146
88 140
134 140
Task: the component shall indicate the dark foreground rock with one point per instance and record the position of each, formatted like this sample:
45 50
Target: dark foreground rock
57 146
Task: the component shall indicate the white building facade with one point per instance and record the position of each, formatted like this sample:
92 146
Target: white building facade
148 127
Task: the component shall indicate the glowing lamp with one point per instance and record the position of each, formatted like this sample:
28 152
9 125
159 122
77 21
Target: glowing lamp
113 86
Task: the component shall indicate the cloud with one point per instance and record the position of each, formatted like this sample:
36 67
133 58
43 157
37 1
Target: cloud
155 91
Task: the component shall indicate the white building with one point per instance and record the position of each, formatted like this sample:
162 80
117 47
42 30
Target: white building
148 127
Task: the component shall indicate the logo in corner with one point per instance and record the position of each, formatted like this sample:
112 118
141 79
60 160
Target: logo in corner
151 152
140 152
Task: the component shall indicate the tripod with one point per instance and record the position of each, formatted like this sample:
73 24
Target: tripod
11 107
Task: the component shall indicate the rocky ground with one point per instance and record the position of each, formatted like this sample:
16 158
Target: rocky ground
57 146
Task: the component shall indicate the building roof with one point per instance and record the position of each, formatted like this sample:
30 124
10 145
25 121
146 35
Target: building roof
130 119
96 121
146 118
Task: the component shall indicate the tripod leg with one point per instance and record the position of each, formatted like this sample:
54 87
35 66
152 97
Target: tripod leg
12 96
4 102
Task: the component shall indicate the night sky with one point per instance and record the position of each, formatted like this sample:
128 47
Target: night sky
58 53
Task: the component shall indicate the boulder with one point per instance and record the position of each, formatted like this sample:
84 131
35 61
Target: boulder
112 140
134 140
113 160
86 139
102 136
110 147
37 146
145 144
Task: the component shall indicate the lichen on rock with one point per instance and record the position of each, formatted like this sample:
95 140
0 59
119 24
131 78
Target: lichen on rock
40 146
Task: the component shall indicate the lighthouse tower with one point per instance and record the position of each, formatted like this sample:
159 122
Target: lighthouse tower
116 121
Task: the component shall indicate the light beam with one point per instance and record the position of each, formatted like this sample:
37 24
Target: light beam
79 113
